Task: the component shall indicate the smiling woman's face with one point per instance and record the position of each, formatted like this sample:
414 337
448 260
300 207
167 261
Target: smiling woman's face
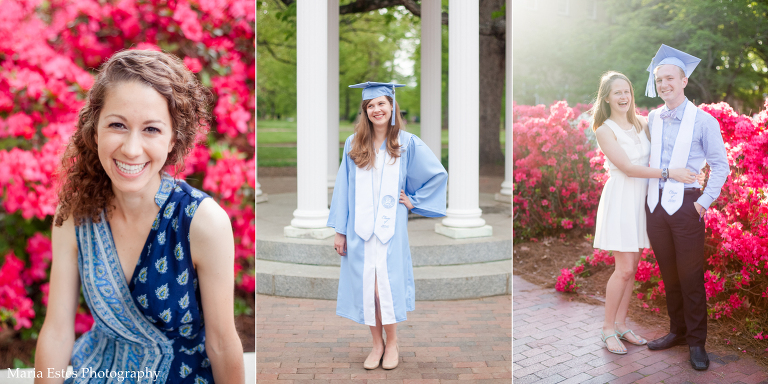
379 110
620 97
134 136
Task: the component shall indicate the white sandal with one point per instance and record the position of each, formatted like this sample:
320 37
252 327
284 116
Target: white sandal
641 342
614 335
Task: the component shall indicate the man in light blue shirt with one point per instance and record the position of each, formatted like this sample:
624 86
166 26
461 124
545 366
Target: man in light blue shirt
707 145
681 135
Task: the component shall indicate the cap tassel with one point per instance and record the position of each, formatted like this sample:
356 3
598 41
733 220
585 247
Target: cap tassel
650 86
394 103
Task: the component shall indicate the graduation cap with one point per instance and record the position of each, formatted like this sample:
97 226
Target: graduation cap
372 90
669 55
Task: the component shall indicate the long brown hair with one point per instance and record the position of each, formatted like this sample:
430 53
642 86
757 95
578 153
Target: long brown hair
362 151
85 188
601 111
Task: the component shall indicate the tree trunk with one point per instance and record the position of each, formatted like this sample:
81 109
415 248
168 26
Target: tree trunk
492 67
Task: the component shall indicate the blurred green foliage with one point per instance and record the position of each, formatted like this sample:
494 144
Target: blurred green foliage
560 52
368 43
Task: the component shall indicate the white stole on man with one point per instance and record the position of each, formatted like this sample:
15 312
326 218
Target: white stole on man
672 197
385 208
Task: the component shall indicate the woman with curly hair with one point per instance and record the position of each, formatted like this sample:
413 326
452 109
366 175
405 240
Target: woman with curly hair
151 253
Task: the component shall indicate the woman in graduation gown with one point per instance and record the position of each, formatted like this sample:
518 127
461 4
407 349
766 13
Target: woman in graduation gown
384 173
151 253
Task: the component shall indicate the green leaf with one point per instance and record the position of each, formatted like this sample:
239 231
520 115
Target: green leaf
500 13
205 79
17 363
241 307
29 333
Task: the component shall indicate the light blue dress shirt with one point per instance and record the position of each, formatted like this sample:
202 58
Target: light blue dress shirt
707 145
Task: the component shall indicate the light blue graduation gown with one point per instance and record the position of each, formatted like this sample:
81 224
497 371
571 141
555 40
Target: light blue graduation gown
424 180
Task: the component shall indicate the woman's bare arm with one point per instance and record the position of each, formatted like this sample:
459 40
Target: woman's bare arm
57 336
613 151
213 253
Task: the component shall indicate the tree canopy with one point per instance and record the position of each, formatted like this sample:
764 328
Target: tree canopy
560 54
371 33
368 43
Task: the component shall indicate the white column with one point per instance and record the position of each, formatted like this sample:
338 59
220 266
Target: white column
431 81
260 196
464 215
311 215
506 187
333 91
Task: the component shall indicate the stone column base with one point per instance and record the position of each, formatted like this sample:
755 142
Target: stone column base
503 198
309 233
262 198
464 233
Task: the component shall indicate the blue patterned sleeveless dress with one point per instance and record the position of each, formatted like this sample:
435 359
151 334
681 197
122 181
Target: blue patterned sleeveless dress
151 329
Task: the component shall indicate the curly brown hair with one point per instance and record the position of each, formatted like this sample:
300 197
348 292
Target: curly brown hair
85 189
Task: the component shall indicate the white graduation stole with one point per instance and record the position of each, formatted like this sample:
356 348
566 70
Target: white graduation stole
386 207
672 197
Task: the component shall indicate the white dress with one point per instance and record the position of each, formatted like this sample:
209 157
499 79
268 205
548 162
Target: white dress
620 222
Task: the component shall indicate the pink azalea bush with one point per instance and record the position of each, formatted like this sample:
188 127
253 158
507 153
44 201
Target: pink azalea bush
558 179
48 53
737 229
14 303
565 282
556 187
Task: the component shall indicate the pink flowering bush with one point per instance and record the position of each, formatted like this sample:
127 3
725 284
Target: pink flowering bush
48 54
648 280
556 187
565 282
14 303
737 229
600 256
557 184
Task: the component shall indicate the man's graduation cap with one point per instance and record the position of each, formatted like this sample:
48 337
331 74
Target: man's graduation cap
669 55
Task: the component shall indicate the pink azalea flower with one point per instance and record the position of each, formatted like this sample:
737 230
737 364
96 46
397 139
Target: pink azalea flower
83 322
193 64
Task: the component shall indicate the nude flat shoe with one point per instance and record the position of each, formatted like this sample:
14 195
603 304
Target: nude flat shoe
372 364
389 364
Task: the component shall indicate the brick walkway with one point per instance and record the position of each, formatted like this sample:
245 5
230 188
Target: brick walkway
462 341
557 341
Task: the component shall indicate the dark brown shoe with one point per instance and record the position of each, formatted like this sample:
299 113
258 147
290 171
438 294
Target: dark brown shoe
668 341
699 358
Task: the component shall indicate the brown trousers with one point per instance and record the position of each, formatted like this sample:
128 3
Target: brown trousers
678 243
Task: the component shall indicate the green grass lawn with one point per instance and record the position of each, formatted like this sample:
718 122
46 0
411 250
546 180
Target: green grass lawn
276 141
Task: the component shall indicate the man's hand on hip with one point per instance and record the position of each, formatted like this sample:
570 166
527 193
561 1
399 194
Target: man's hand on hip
701 210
